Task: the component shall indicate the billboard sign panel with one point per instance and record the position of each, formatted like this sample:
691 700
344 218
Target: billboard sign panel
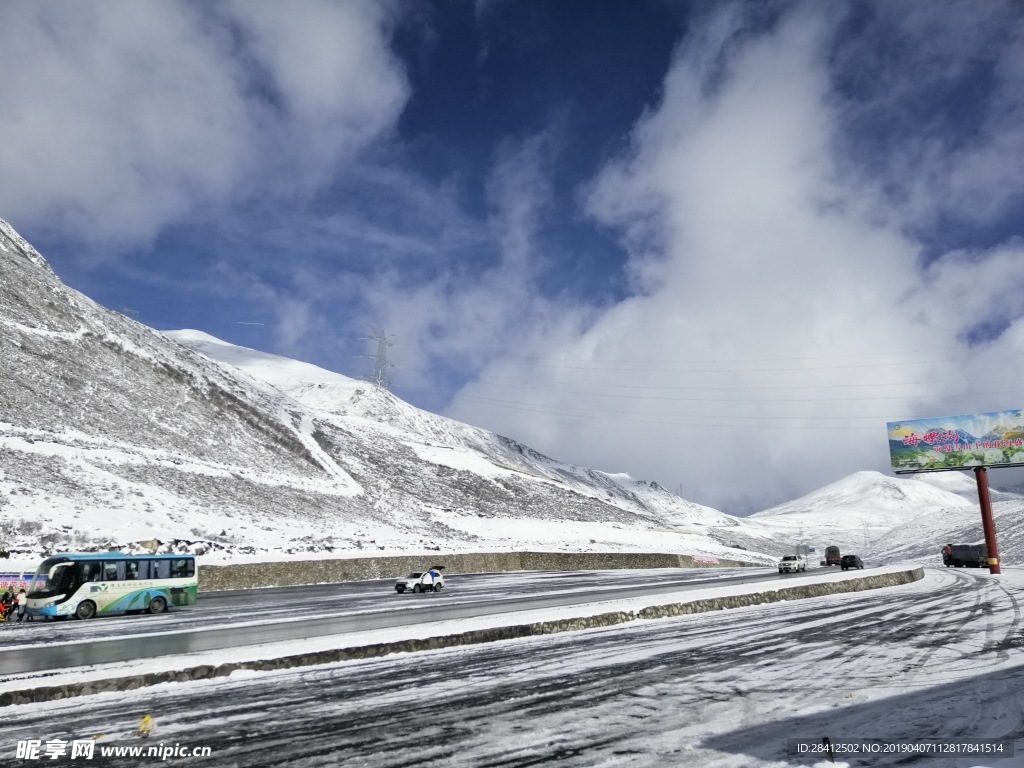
955 442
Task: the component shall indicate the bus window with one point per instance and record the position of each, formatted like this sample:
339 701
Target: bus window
183 568
89 570
136 569
111 571
159 569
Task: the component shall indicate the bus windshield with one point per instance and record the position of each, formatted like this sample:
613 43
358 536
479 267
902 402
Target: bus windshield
51 576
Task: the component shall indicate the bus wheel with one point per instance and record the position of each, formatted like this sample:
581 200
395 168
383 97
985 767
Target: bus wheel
86 609
157 605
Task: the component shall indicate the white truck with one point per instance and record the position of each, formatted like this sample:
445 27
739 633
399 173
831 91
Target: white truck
792 564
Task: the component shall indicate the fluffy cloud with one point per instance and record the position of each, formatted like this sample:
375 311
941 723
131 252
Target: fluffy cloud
777 320
473 312
124 117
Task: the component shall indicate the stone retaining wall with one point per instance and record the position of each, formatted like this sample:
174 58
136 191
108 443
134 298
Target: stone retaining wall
254 575
473 637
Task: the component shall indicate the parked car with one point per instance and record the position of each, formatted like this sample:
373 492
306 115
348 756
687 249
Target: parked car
851 561
792 564
428 581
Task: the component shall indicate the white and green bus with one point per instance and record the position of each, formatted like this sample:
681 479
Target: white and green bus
84 585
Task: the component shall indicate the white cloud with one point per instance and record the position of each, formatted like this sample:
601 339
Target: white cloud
945 82
780 310
333 77
124 117
776 324
470 314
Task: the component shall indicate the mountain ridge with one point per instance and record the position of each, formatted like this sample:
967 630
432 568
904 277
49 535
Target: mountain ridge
115 433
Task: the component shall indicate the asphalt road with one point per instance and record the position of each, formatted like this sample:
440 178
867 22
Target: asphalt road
719 690
224 620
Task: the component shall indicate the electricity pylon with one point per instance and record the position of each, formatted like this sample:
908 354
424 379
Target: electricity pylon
380 360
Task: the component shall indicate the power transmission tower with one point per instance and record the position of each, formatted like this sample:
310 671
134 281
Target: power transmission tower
380 359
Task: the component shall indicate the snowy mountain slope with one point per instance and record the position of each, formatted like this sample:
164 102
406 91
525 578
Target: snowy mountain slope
451 446
963 483
856 509
921 539
890 520
107 430
111 432
439 440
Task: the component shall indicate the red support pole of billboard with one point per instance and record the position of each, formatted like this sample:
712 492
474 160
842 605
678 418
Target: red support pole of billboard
981 475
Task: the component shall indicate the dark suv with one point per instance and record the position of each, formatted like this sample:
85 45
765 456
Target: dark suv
851 561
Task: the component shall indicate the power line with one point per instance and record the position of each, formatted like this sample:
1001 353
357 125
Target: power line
927 382
660 398
674 419
858 366
941 350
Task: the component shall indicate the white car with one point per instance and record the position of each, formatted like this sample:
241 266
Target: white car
793 564
428 581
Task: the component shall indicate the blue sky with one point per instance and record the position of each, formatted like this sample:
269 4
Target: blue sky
716 245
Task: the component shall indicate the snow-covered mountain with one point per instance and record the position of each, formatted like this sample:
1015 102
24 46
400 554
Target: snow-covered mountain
963 483
888 519
111 432
856 509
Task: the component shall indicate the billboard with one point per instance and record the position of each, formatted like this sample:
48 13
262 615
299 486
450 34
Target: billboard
14 581
955 442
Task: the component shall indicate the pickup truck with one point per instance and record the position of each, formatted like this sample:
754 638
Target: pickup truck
792 564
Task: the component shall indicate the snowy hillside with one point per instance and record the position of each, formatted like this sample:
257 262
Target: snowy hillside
921 540
112 433
888 519
963 483
857 509
376 415
357 405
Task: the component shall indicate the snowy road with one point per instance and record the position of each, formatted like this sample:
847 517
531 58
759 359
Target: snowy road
940 658
228 620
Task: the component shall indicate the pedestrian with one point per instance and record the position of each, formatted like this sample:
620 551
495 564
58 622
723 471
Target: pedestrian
22 604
